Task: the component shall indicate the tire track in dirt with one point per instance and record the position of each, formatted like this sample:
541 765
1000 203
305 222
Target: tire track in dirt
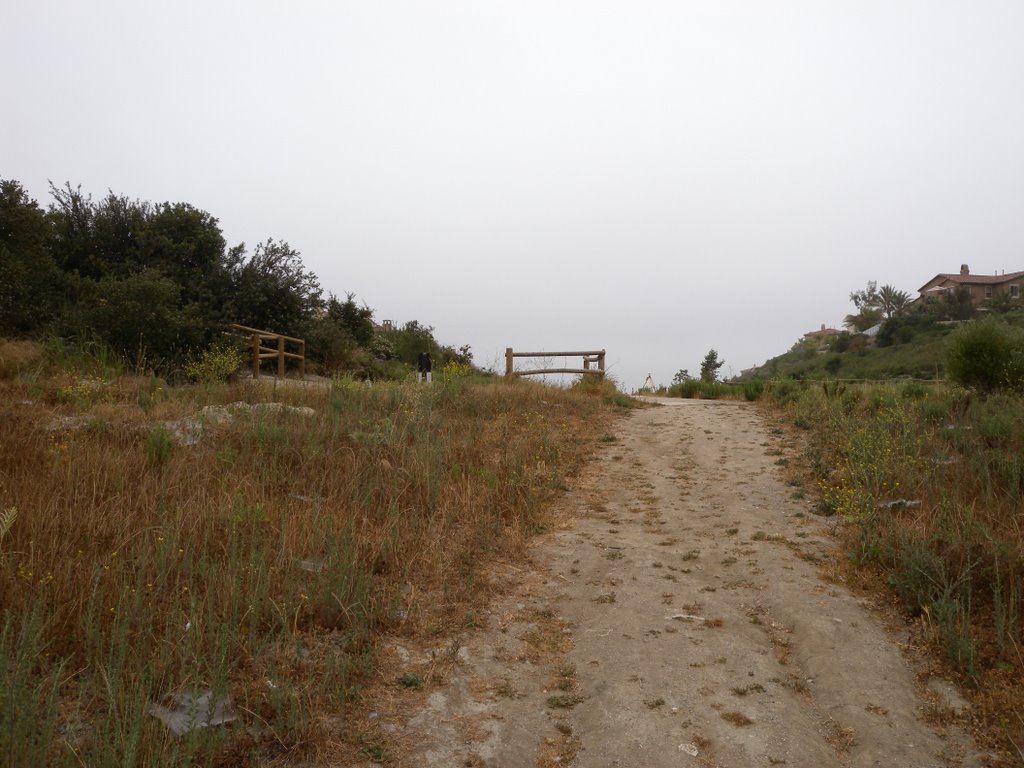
679 619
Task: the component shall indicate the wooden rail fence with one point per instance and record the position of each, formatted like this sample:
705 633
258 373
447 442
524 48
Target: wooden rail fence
278 351
589 358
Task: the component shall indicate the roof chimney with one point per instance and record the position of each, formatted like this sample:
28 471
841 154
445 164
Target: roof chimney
964 269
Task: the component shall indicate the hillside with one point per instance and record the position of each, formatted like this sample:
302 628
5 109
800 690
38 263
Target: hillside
907 347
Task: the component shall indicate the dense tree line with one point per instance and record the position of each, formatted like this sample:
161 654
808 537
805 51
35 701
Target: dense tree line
158 282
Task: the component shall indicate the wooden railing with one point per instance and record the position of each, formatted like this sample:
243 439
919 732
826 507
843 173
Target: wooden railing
588 359
278 351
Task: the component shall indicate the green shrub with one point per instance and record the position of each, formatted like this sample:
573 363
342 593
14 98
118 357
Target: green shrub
709 390
996 427
139 315
753 389
987 355
685 388
914 390
848 400
784 391
217 363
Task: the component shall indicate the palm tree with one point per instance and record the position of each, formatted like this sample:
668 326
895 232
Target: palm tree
864 319
892 302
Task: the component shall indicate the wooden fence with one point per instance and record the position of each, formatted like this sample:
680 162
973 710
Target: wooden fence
589 358
278 349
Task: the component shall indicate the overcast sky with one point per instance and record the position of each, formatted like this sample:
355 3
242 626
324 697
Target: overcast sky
653 178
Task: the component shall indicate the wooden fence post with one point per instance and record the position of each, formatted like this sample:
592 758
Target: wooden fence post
508 361
255 356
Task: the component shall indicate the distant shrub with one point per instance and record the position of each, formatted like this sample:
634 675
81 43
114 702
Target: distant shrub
709 390
217 363
905 334
454 369
841 342
987 355
685 388
914 390
753 389
784 391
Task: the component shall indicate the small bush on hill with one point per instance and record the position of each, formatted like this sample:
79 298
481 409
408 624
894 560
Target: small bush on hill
987 355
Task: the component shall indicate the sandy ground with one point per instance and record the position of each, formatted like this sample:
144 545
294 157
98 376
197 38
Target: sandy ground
678 617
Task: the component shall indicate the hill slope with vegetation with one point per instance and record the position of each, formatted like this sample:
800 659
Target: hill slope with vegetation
903 340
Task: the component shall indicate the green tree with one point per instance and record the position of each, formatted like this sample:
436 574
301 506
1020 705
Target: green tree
187 245
357 320
681 375
96 240
892 301
863 320
710 365
957 305
120 249
1001 302
341 338
272 290
866 298
413 338
30 283
868 305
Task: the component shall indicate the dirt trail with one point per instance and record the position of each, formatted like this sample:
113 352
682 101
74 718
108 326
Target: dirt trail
678 620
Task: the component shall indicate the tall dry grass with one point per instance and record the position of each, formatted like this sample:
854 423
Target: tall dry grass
258 563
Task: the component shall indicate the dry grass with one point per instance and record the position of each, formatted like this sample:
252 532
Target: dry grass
260 562
18 356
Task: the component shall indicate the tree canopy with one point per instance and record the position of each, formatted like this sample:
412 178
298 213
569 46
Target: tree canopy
710 366
157 282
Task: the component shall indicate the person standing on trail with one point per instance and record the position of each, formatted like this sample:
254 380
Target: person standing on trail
424 367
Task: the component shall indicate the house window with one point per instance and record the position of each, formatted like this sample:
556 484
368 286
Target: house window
1014 291
988 291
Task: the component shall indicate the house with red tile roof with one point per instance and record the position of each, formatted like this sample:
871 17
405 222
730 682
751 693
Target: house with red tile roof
982 288
821 337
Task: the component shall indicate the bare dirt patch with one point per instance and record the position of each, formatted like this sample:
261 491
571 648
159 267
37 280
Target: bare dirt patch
677 617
